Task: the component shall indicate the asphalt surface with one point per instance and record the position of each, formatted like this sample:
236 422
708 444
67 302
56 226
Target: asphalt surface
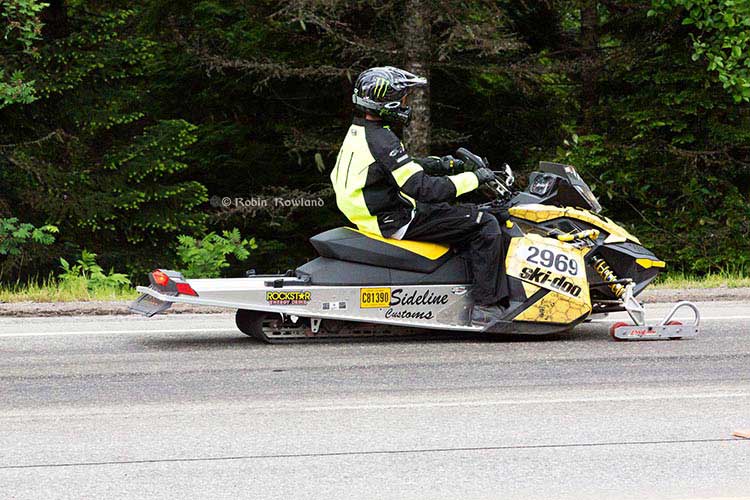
187 407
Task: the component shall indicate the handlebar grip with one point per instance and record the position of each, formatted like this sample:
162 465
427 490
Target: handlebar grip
467 156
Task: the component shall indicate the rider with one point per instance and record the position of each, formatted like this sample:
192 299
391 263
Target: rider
383 190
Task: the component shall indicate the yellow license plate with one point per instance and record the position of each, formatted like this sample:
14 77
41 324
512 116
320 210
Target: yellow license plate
374 297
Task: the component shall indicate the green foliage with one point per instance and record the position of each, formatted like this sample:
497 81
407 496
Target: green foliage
14 235
207 257
119 120
22 28
86 273
721 37
19 243
667 154
15 90
114 174
21 19
134 187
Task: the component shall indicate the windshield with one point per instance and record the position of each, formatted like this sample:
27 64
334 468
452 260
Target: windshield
570 173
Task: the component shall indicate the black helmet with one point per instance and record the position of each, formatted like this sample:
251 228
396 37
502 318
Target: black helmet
379 91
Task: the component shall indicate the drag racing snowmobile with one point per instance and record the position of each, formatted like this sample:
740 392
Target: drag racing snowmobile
565 263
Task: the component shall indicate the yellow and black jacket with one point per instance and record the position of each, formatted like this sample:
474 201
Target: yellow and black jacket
377 182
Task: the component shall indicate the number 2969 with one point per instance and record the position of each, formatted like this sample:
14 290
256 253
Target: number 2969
559 262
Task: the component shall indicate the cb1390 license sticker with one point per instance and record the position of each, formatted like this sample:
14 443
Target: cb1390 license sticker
374 297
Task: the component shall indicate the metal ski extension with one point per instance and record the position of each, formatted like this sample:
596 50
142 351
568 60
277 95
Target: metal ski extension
666 329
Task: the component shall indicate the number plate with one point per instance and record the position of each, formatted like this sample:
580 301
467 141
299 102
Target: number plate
551 265
552 258
374 297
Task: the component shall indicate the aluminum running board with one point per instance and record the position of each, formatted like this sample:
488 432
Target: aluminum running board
250 294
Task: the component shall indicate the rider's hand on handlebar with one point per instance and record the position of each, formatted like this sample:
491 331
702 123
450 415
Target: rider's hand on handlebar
484 175
451 165
436 165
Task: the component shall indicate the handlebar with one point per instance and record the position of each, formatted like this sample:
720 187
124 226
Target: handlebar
500 186
469 157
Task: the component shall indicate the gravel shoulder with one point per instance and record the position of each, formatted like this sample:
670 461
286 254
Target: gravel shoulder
26 309
94 308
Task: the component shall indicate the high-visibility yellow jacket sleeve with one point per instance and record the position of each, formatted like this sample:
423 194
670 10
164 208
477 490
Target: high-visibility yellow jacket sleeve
465 182
411 178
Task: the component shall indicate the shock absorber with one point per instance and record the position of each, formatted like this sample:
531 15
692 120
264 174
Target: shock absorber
608 275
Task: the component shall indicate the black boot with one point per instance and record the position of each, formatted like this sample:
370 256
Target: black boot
485 316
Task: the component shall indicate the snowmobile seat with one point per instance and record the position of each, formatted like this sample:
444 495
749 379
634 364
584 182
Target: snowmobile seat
353 245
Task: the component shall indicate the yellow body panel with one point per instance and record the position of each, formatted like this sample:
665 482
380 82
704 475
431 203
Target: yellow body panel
543 213
555 308
565 278
648 263
529 289
432 251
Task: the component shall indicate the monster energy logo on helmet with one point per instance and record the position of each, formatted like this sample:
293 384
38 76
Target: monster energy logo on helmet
379 91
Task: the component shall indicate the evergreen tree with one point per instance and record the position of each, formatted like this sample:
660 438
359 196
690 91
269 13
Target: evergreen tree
108 173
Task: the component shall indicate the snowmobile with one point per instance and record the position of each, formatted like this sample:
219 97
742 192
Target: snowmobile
565 263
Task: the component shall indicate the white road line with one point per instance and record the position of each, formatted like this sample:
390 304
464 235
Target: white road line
302 406
601 399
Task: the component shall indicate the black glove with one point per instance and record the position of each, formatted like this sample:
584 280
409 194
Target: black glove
452 165
484 175
435 165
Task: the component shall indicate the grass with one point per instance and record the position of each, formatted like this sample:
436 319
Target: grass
50 291
711 280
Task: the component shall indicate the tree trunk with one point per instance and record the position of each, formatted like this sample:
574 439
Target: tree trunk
55 19
417 45
589 62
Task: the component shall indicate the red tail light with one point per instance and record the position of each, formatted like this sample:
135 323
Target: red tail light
171 283
186 289
160 278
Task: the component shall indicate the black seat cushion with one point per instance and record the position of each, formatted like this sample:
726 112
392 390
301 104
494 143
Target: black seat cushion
334 272
348 244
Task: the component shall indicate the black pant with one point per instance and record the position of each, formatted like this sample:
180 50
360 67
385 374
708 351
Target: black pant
479 232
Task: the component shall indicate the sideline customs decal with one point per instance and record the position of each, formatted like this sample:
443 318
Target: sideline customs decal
374 297
399 298
417 298
400 303
287 298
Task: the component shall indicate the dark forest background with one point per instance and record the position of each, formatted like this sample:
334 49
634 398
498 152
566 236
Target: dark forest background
124 124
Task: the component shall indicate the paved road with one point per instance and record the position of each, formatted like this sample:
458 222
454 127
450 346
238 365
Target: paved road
187 407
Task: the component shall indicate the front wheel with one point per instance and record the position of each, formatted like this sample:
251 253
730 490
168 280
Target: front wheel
251 323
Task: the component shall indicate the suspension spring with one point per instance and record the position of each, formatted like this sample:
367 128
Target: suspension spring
608 275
